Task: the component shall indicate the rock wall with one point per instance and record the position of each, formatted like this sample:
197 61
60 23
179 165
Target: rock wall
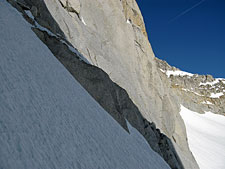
111 97
111 35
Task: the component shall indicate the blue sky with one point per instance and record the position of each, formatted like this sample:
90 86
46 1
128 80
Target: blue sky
188 34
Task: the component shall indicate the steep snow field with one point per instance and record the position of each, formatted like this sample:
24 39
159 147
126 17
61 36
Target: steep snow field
206 138
47 120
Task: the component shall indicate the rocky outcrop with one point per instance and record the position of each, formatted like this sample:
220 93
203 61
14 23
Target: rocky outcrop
132 15
199 93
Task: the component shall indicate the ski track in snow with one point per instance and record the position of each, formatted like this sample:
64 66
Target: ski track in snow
48 120
206 138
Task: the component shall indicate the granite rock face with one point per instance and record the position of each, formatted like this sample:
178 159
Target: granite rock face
110 96
111 36
71 6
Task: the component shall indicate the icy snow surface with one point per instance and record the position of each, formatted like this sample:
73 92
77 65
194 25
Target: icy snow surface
206 138
47 119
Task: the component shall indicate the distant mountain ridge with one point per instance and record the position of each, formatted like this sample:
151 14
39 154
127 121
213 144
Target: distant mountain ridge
199 93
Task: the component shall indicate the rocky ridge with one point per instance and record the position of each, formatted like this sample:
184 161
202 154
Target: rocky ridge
199 93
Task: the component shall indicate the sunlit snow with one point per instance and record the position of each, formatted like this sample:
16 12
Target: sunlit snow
128 21
217 80
82 20
176 73
206 102
206 138
209 83
216 95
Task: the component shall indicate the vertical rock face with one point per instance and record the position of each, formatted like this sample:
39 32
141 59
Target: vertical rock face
111 35
48 120
111 97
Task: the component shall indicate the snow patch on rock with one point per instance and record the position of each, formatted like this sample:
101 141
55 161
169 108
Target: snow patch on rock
206 102
216 95
82 20
210 83
128 21
176 73
29 14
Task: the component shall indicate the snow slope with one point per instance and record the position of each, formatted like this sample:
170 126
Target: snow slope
47 119
206 138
